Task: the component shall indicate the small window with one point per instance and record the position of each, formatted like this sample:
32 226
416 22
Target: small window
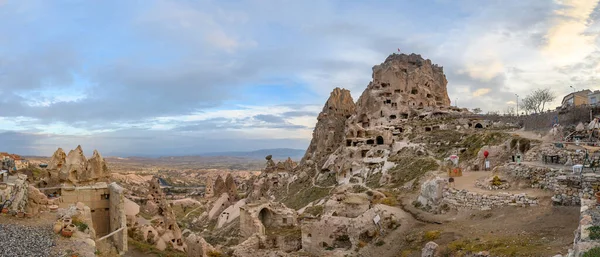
284 220
104 196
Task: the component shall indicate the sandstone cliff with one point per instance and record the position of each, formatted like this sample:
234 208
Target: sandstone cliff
329 130
401 85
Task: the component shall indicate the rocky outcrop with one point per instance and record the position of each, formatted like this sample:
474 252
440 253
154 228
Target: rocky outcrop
96 169
432 193
37 201
231 188
75 169
429 250
287 166
328 134
270 166
198 247
219 187
57 160
163 231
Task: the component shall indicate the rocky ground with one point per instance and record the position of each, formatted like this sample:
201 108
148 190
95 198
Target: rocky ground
544 230
21 240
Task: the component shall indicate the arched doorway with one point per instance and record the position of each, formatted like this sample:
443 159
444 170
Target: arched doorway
266 216
379 140
479 126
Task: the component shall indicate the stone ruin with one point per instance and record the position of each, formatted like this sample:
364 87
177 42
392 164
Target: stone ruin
261 224
25 197
164 231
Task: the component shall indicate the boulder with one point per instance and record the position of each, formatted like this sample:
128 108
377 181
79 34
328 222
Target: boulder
429 250
431 192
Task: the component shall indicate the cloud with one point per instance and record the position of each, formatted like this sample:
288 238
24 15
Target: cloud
269 118
567 40
481 92
251 71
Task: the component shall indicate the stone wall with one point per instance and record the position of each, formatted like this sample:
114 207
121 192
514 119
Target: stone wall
568 188
117 217
589 216
466 199
96 197
256 217
571 116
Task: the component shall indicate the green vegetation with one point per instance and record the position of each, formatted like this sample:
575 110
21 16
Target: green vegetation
373 180
409 167
214 254
496 181
432 235
503 246
594 252
81 226
594 232
304 197
149 249
314 210
380 243
358 189
474 142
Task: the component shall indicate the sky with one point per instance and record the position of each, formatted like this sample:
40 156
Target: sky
157 77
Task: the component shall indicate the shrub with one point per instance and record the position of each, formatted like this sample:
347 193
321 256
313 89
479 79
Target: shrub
380 243
594 232
81 226
432 235
362 244
214 254
496 181
417 204
592 252
389 201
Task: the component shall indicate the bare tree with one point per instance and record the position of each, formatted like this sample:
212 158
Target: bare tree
477 110
528 105
537 100
510 111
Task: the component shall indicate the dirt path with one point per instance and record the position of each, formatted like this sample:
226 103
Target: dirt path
528 134
467 182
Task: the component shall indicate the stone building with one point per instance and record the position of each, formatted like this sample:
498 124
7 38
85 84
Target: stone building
259 216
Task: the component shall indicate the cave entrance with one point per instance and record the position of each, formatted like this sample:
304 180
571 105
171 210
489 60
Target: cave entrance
266 217
379 140
478 126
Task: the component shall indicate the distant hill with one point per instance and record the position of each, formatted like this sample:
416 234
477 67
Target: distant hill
278 154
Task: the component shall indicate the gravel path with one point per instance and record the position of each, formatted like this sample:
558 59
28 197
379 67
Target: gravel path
19 240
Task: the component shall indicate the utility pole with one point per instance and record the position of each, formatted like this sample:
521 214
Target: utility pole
517 104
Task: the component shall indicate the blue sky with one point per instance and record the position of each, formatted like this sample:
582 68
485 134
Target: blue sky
159 77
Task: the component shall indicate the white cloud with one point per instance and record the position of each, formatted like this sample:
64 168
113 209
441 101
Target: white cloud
481 92
567 39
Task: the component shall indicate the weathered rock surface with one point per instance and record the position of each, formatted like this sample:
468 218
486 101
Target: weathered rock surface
74 168
429 249
164 231
328 134
57 160
219 187
198 247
